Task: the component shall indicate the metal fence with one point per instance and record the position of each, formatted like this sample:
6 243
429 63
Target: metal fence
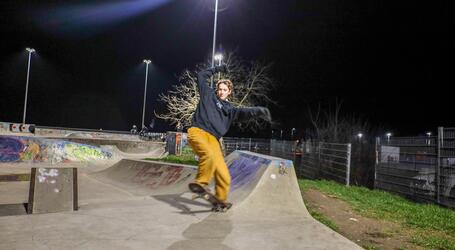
420 168
314 160
256 145
322 160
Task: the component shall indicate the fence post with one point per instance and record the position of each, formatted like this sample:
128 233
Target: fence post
249 145
377 146
348 165
319 156
438 167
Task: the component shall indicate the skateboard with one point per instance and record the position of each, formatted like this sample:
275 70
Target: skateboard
202 192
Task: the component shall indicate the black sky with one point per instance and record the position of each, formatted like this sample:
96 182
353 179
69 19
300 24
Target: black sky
389 61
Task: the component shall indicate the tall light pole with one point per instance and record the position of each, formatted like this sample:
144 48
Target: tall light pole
214 37
359 135
219 58
388 136
147 62
30 51
292 133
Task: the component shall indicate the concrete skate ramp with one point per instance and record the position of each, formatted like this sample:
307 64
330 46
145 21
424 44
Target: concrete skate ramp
268 211
146 205
159 178
37 151
50 152
59 133
126 146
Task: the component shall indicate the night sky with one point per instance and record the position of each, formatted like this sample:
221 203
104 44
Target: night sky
390 62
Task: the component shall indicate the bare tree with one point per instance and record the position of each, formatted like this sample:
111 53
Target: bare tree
252 86
331 126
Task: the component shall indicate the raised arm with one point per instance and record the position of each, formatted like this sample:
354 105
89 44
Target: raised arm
245 113
206 73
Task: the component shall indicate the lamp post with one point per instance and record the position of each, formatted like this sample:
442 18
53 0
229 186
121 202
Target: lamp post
147 62
429 139
214 37
292 133
359 135
30 51
219 58
388 136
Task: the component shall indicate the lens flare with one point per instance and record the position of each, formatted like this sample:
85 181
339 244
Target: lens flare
80 20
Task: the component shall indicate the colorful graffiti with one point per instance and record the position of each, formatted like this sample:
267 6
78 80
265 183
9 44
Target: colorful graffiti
244 169
30 149
158 176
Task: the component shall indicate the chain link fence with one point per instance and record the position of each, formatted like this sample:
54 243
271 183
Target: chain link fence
261 146
313 160
420 168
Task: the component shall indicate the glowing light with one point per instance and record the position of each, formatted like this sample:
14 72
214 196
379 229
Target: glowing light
89 18
218 57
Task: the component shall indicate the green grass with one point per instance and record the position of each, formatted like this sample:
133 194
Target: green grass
187 157
324 220
437 224
433 241
371 247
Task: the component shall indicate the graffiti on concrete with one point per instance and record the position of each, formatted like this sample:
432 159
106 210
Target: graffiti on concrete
29 149
154 177
80 152
47 175
244 169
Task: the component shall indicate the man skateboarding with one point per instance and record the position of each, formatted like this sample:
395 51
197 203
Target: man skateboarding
211 120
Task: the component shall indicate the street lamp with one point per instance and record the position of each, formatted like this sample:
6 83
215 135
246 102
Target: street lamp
214 37
147 62
219 58
429 140
292 133
30 51
388 136
359 135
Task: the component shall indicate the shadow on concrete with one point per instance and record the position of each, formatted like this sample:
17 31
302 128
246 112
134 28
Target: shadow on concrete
206 234
179 202
13 209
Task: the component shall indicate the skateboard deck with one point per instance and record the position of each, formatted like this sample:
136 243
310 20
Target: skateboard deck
202 192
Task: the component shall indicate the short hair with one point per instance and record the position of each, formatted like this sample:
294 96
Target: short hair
227 82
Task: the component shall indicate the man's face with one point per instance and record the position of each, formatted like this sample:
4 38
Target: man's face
223 91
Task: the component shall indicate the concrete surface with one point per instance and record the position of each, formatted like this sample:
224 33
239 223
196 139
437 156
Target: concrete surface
145 205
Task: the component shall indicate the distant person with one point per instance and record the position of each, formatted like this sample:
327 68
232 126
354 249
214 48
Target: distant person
134 130
213 117
179 127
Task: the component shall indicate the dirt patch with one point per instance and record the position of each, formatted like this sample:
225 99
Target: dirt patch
366 232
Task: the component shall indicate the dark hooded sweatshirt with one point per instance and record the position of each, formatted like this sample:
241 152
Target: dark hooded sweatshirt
214 115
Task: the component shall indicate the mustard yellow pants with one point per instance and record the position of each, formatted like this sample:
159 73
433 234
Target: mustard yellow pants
211 161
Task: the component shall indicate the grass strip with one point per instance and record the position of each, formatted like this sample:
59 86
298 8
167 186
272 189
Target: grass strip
435 224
